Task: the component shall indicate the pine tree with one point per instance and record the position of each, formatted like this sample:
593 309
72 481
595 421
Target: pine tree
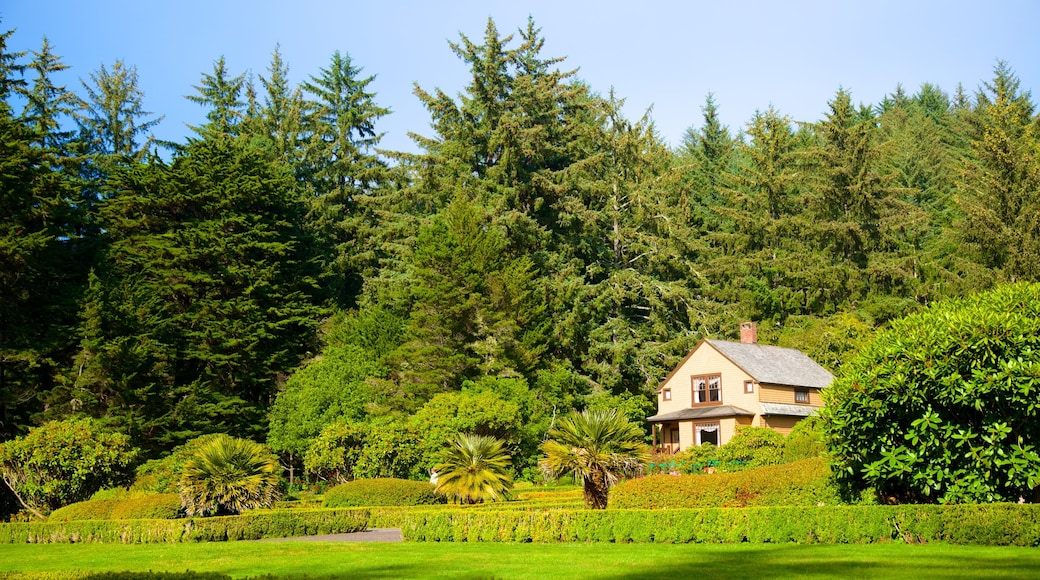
221 94
113 118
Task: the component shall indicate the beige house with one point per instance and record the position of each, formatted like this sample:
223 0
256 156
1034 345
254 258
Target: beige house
723 384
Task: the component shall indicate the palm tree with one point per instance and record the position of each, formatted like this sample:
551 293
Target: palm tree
227 476
597 447
474 469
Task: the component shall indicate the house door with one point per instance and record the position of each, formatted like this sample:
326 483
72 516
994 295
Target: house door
706 433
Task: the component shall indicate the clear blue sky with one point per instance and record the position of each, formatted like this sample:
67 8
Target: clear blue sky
666 55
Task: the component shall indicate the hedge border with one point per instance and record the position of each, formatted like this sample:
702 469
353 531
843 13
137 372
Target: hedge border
990 524
250 526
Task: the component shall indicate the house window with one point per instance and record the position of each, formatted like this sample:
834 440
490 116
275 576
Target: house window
706 433
749 386
666 395
801 396
675 435
707 390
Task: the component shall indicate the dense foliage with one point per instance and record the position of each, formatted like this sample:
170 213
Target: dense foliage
474 469
943 406
63 462
382 492
151 506
276 274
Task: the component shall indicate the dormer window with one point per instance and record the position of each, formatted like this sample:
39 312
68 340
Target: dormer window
707 390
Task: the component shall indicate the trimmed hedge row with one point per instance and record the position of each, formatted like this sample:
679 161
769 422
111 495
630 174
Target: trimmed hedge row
382 492
800 483
991 524
159 506
250 526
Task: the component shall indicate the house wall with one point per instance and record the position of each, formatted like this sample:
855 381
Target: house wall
705 360
785 394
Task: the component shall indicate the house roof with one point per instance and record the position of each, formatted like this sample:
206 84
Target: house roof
774 364
788 410
713 412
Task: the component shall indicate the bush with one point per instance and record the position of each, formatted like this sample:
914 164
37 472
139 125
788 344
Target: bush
139 507
806 440
697 459
942 406
1004 524
806 482
163 475
63 462
251 526
382 492
751 447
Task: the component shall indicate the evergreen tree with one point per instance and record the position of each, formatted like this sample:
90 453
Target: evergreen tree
206 293
999 186
49 105
221 94
113 118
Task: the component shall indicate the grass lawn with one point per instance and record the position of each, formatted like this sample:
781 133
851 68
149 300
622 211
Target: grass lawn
422 560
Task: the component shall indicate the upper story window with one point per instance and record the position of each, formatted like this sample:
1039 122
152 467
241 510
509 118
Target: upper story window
801 396
707 390
666 394
749 386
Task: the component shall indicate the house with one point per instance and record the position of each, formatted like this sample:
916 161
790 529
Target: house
722 384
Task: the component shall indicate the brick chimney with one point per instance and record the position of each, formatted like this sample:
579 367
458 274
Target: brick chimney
749 333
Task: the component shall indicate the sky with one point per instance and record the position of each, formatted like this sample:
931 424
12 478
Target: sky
662 57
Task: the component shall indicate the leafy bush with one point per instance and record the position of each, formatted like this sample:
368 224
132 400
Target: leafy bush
751 447
805 440
140 506
63 462
1003 524
382 492
807 483
697 459
334 453
942 406
251 526
229 476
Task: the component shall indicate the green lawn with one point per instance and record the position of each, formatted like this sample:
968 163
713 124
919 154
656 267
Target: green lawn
419 560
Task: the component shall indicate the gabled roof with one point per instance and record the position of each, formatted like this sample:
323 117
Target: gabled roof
712 412
773 364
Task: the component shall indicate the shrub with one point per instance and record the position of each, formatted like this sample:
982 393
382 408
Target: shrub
138 506
941 406
1003 524
229 476
806 482
475 469
382 492
751 447
63 462
334 453
697 458
805 440
251 526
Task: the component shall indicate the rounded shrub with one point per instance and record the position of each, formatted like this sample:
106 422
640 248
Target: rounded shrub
136 506
382 492
751 447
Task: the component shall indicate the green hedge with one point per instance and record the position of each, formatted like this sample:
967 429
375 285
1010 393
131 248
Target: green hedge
994 524
382 492
251 526
800 483
158 506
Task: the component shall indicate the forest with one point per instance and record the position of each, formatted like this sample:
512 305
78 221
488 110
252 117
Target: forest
281 277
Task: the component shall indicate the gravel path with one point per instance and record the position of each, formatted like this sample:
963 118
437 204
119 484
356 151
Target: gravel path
372 535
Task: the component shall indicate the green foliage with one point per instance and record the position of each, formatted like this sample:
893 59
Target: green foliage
807 483
806 440
251 526
1005 524
229 476
696 459
481 412
382 492
942 406
151 506
63 462
597 447
474 469
751 447
335 452
163 475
